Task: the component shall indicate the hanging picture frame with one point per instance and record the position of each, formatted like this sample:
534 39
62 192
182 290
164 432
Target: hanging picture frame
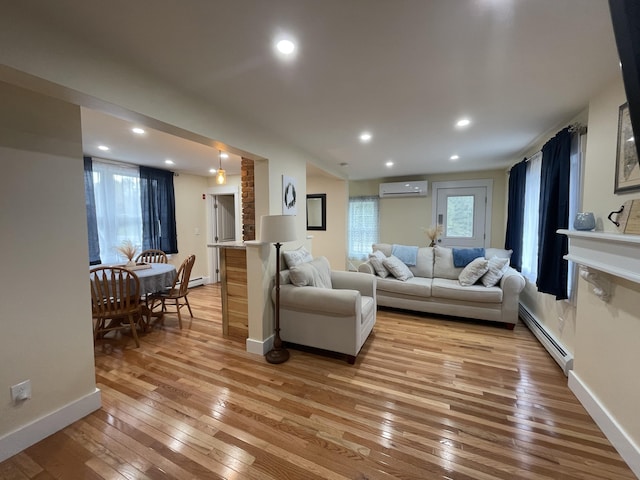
289 196
627 166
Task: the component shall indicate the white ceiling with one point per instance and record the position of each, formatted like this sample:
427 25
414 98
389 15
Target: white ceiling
405 70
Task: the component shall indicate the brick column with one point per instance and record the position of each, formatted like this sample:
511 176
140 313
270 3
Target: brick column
248 201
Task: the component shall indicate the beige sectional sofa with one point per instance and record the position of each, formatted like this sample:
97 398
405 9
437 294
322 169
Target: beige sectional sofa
435 287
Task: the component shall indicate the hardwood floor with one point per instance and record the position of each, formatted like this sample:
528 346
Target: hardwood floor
426 399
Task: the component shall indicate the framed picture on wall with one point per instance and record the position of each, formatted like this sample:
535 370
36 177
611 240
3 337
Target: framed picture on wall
289 196
627 166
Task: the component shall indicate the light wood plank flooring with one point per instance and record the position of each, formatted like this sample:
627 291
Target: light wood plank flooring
427 399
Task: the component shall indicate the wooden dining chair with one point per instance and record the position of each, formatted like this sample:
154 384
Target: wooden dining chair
152 256
176 295
115 301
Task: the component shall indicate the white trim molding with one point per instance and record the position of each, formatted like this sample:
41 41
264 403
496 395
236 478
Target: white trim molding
259 347
32 433
628 450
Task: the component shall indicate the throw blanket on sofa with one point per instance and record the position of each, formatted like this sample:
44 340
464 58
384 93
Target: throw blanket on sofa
408 255
463 256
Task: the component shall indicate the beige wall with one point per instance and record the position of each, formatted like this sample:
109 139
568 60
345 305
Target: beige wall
191 222
607 356
331 243
402 219
46 302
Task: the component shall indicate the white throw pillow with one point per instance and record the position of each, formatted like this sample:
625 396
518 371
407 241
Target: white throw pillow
472 272
316 273
376 258
497 252
296 257
397 268
497 267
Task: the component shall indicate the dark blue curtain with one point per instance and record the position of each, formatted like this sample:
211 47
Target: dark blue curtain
92 223
554 214
515 212
158 203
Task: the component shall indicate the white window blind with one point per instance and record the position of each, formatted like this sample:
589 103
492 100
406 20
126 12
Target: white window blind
363 226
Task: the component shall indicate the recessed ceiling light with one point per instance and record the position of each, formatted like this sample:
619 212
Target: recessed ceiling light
389 164
224 155
463 122
454 157
212 170
286 46
138 130
168 161
104 148
365 137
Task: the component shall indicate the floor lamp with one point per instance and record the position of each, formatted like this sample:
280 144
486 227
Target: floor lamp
277 229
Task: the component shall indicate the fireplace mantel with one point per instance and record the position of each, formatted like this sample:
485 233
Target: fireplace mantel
617 254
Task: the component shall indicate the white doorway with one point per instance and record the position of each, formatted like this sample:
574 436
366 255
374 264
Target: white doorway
225 223
464 210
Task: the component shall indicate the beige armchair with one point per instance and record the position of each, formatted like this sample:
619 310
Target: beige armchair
338 319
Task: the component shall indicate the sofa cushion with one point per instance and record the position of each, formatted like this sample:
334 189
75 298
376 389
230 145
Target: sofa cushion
463 256
316 273
451 289
296 257
497 267
443 264
397 268
376 258
382 247
416 286
472 272
424 263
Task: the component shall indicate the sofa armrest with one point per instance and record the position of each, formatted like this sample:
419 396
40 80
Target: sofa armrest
363 282
314 299
366 267
512 282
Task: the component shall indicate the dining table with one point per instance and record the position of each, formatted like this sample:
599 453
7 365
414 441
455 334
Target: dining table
153 277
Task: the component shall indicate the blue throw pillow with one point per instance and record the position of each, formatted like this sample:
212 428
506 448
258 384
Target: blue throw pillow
463 256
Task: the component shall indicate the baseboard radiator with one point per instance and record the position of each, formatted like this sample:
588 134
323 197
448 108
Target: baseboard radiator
197 281
547 339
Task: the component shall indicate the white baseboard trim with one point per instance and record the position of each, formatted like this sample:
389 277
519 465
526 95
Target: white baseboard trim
259 347
625 446
14 442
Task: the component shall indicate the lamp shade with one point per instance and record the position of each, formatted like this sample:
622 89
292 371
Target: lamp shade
277 228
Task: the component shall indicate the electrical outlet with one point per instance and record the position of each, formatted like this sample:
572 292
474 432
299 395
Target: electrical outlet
21 391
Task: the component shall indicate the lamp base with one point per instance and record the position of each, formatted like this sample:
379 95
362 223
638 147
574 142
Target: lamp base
277 355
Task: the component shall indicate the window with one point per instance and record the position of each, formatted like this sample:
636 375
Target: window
126 202
531 219
460 216
363 226
532 210
118 213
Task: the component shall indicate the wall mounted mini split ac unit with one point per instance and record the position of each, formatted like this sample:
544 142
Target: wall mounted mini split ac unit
404 189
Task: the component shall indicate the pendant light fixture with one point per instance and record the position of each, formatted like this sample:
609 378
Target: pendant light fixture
221 175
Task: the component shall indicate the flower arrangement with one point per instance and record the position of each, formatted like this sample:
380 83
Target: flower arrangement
127 249
433 232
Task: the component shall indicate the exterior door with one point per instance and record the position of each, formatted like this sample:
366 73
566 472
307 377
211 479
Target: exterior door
464 210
